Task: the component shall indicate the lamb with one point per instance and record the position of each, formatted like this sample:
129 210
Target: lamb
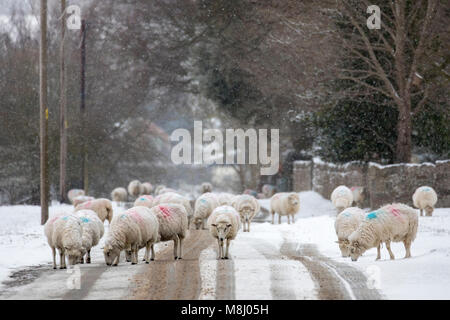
73 193
92 232
144 200
102 207
64 232
135 188
347 222
81 199
224 224
204 206
147 188
425 198
247 207
285 204
206 187
395 222
173 225
119 195
172 197
132 230
342 198
358 195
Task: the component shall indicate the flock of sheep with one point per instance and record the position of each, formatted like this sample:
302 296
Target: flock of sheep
358 231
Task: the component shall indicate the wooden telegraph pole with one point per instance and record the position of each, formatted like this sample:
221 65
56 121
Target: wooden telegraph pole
83 103
62 109
43 113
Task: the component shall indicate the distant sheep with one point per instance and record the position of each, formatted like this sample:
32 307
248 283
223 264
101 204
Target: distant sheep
167 190
247 207
158 189
204 206
147 188
72 194
285 204
251 192
132 230
342 197
224 198
358 195
81 199
144 200
395 222
102 207
206 187
171 197
92 232
64 232
135 188
347 222
425 198
119 195
268 190
224 224
173 225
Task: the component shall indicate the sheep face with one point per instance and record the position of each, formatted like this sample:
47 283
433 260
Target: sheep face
429 210
246 212
356 250
344 247
109 212
223 228
198 223
293 200
74 255
110 253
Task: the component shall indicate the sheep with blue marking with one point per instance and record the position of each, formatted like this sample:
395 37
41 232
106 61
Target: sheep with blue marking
144 200
92 232
346 222
392 223
425 198
342 198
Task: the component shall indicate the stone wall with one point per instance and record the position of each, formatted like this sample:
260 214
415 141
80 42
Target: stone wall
383 184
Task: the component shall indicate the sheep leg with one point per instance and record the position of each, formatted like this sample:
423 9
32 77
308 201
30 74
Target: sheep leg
407 244
220 248
388 247
248 229
175 247
152 258
421 212
293 218
279 218
181 248
88 257
289 218
378 251
147 250
134 254
273 217
54 257
228 246
116 260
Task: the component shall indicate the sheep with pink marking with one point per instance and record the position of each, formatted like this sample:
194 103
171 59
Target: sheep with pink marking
172 197
81 199
224 224
392 223
342 198
425 198
103 208
204 206
346 222
144 200
92 232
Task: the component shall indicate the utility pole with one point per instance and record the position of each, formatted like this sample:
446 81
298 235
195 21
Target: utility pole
83 103
43 113
62 109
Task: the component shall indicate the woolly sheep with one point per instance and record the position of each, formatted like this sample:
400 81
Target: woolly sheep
395 222
144 200
119 195
81 199
92 232
224 224
342 197
425 198
172 197
204 206
135 188
173 225
132 230
167 190
347 222
147 188
206 187
102 207
224 198
358 196
247 207
159 188
285 204
64 232
73 193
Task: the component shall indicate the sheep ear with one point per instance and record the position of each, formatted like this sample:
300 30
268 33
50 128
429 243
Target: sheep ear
214 225
337 241
228 225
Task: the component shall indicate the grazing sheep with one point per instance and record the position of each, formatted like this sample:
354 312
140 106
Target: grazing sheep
147 188
358 195
425 198
171 197
144 200
206 187
342 197
102 207
346 222
135 188
285 204
395 222
225 199
81 199
204 206
173 225
247 207
158 189
132 230
73 193
119 195
268 190
64 232
93 230
224 224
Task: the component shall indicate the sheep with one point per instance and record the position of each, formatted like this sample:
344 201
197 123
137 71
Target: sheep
92 232
425 198
347 222
167 190
135 188
285 204
251 192
132 230
171 197
73 193
144 200
224 198
159 188
119 195
147 188
224 224
64 232
102 207
206 187
358 196
247 207
204 206
395 222
268 190
81 199
173 225
342 197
